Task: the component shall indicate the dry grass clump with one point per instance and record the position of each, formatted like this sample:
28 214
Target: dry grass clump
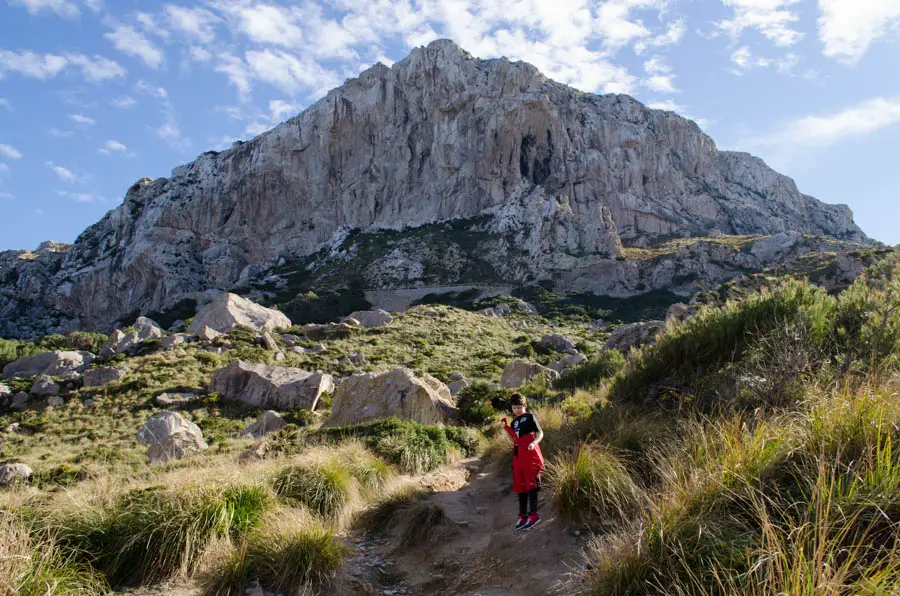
288 554
151 534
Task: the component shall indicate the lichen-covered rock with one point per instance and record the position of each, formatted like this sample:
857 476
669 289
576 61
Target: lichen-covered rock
12 473
104 375
121 342
267 423
371 318
55 401
399 393
170 436
327 331
275 387
568 361
43 386
517 373
62 364
165 400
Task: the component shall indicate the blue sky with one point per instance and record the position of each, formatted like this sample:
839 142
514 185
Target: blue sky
95 94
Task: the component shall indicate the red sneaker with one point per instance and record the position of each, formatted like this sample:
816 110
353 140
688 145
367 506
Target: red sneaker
533 520
521 521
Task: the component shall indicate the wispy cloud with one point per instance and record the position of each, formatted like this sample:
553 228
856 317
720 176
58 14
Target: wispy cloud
46 66
63 173
64 8
197 23
10 152
129 41
774 19
170 129
113 146
82 119
848 28
4 103
660 78
123 102
81 197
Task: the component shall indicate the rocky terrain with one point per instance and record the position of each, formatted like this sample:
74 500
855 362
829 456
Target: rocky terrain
442 169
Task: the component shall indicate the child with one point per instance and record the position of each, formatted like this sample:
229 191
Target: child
527 462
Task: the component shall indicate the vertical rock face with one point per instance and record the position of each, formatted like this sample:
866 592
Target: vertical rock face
438 136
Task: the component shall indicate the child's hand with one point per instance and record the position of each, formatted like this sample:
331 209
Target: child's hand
504 422
530 446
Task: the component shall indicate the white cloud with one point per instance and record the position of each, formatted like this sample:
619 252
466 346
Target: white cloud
672 36
45 66
772 18
816 131
615 22
265 23
63 8
128 41
281 110
5 103
6 196
660 75
170 129
278 68
198 23
64 174
82 119
81 197
123 102
94 5
60 134
848 27
113 146
10 152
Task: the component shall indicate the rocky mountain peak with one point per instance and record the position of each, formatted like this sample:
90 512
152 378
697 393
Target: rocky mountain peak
546 180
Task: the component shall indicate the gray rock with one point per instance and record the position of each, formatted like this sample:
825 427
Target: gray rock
356 358
170 436
55 401
517 373
458 385
457 376
398 393
12 473
43 386
678 312
165 400
5 391
328 331
275 387
568 361
62 364
230 310
98 377
170 341
372 318
290 340
122 343
19 400
268 422
559 342
635 334
269 342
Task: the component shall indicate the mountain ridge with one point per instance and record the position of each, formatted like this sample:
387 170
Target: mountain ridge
439 136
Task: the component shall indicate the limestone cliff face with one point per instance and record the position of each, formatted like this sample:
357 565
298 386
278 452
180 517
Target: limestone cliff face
438 136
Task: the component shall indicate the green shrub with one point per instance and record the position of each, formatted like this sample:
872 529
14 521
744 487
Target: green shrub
76 340
590 373
323 487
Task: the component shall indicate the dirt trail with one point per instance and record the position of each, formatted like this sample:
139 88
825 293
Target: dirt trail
478 554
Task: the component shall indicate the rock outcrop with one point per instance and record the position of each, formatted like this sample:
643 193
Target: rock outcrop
11 473
516 374
170 436
634 334
65 365
230 310
104 375
399 393
523 179
371 318
276 387
267 423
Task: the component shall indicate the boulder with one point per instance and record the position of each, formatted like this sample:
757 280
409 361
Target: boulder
568 361
624 337
170 341
54 401
275 387
290 340
230 310
12 473
269 342
268 422
64 364
170 436
678 312
207 333
458 385
44 385
19 400
327 331
398 393
104 375
255 453
372 318
356 358
121 342
599 325
560 343
165 400
457 376
517 373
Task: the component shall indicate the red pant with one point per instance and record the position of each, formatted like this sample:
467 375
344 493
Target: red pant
526 465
